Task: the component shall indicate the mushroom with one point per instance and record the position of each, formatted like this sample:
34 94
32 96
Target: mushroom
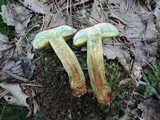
56 37
93 36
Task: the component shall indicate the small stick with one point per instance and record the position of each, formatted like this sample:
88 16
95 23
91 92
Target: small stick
95 19
58 8
112 15
17 77
70 7
67 7
41 55
31 84
76 4
3 93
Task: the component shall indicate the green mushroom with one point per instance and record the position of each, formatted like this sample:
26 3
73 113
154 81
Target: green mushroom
57 37
93 36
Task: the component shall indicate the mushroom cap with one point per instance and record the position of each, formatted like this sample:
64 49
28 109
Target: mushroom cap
103 30
41 40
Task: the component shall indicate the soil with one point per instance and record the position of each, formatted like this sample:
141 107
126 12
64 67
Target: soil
58 103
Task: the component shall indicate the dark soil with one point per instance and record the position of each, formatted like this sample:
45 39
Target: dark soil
56 100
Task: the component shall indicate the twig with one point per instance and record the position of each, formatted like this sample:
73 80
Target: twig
57 8
17 77
112 15
76 4
70 7
41 55
20 45
3 93
32 27
148 64
31 84
127 6
95 19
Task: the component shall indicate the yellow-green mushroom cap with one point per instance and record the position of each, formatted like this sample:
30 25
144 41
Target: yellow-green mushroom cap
104 30
107 30
41 40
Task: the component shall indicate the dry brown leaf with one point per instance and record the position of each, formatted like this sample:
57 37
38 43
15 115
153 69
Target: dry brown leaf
21 70
16 16
150 29
36 6
7 49
12 100
157 9
150 109
57 20
96 15
11 67
135 17
113 50
7 15
17 92
21 96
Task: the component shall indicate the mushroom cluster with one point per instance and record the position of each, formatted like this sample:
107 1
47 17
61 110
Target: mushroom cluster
92 36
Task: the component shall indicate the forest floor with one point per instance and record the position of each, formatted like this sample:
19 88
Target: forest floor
132 60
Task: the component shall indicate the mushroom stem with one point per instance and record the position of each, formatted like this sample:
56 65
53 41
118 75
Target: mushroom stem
71 65
96 70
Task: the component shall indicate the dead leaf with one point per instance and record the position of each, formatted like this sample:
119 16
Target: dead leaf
12 67
21 70
17 92
150 29
12 70
150 109
29 48
20 30
16 16
7 15
134 15
12 100
96 14
21 96
7 49
57 20
157 9
112 49
28 67
36 6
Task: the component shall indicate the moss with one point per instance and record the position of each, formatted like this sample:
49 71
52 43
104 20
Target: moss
14 113
153 76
